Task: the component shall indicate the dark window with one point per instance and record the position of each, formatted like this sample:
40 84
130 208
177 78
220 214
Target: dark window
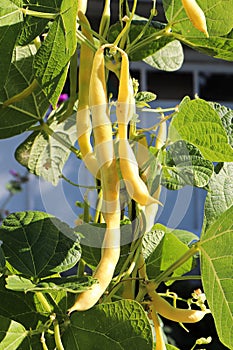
216 87
170 86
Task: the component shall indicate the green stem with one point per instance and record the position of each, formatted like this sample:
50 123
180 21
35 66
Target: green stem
23 94
152 14
43 342
44 302
149 40
39 14
186 256
105 20
62 176
53 134
123 35
57 336
182 278
82 38
86 212
125 274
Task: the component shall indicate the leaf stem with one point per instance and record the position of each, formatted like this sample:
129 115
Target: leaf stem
148 40
39 14
43 342
23 94
152 14
53 134
62 176
165 274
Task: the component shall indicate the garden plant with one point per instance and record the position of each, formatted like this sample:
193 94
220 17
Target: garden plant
122 253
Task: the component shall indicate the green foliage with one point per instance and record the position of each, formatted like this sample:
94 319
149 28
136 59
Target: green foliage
119 325
161 248
217 273
11 334
38 40
198 123
184 165
31 251
45 156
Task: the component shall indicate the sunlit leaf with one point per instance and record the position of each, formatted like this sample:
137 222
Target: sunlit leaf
198 123
217 273
12 334
119 325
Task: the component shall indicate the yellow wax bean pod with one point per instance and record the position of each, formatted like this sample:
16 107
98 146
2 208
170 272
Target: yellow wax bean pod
83 122
196 15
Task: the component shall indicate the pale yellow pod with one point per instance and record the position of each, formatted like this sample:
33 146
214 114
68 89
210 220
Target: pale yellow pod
136 188
196 15
168 311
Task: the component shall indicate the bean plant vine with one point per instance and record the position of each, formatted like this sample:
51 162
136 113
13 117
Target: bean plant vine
126 259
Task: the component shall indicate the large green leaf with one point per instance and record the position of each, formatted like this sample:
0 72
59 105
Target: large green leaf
11 19
184 165
52 59
37 244
19 307
19 116
152 249
217 47
217 273
168 58
71 284
45 155
163 246
34 26
220 194
12 334
219 23
198 123
117 326
218 17
226 115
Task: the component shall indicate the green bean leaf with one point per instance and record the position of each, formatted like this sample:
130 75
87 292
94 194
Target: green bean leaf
71 284
184 165
199 124
217 273
219 44
163 246
11 19
118 325
19 116
37 244
12 334
34 26
220 194
45 155
51 62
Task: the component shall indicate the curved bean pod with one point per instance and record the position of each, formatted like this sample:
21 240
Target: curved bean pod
196 15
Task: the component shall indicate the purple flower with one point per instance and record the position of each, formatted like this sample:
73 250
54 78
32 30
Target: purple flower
14 173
